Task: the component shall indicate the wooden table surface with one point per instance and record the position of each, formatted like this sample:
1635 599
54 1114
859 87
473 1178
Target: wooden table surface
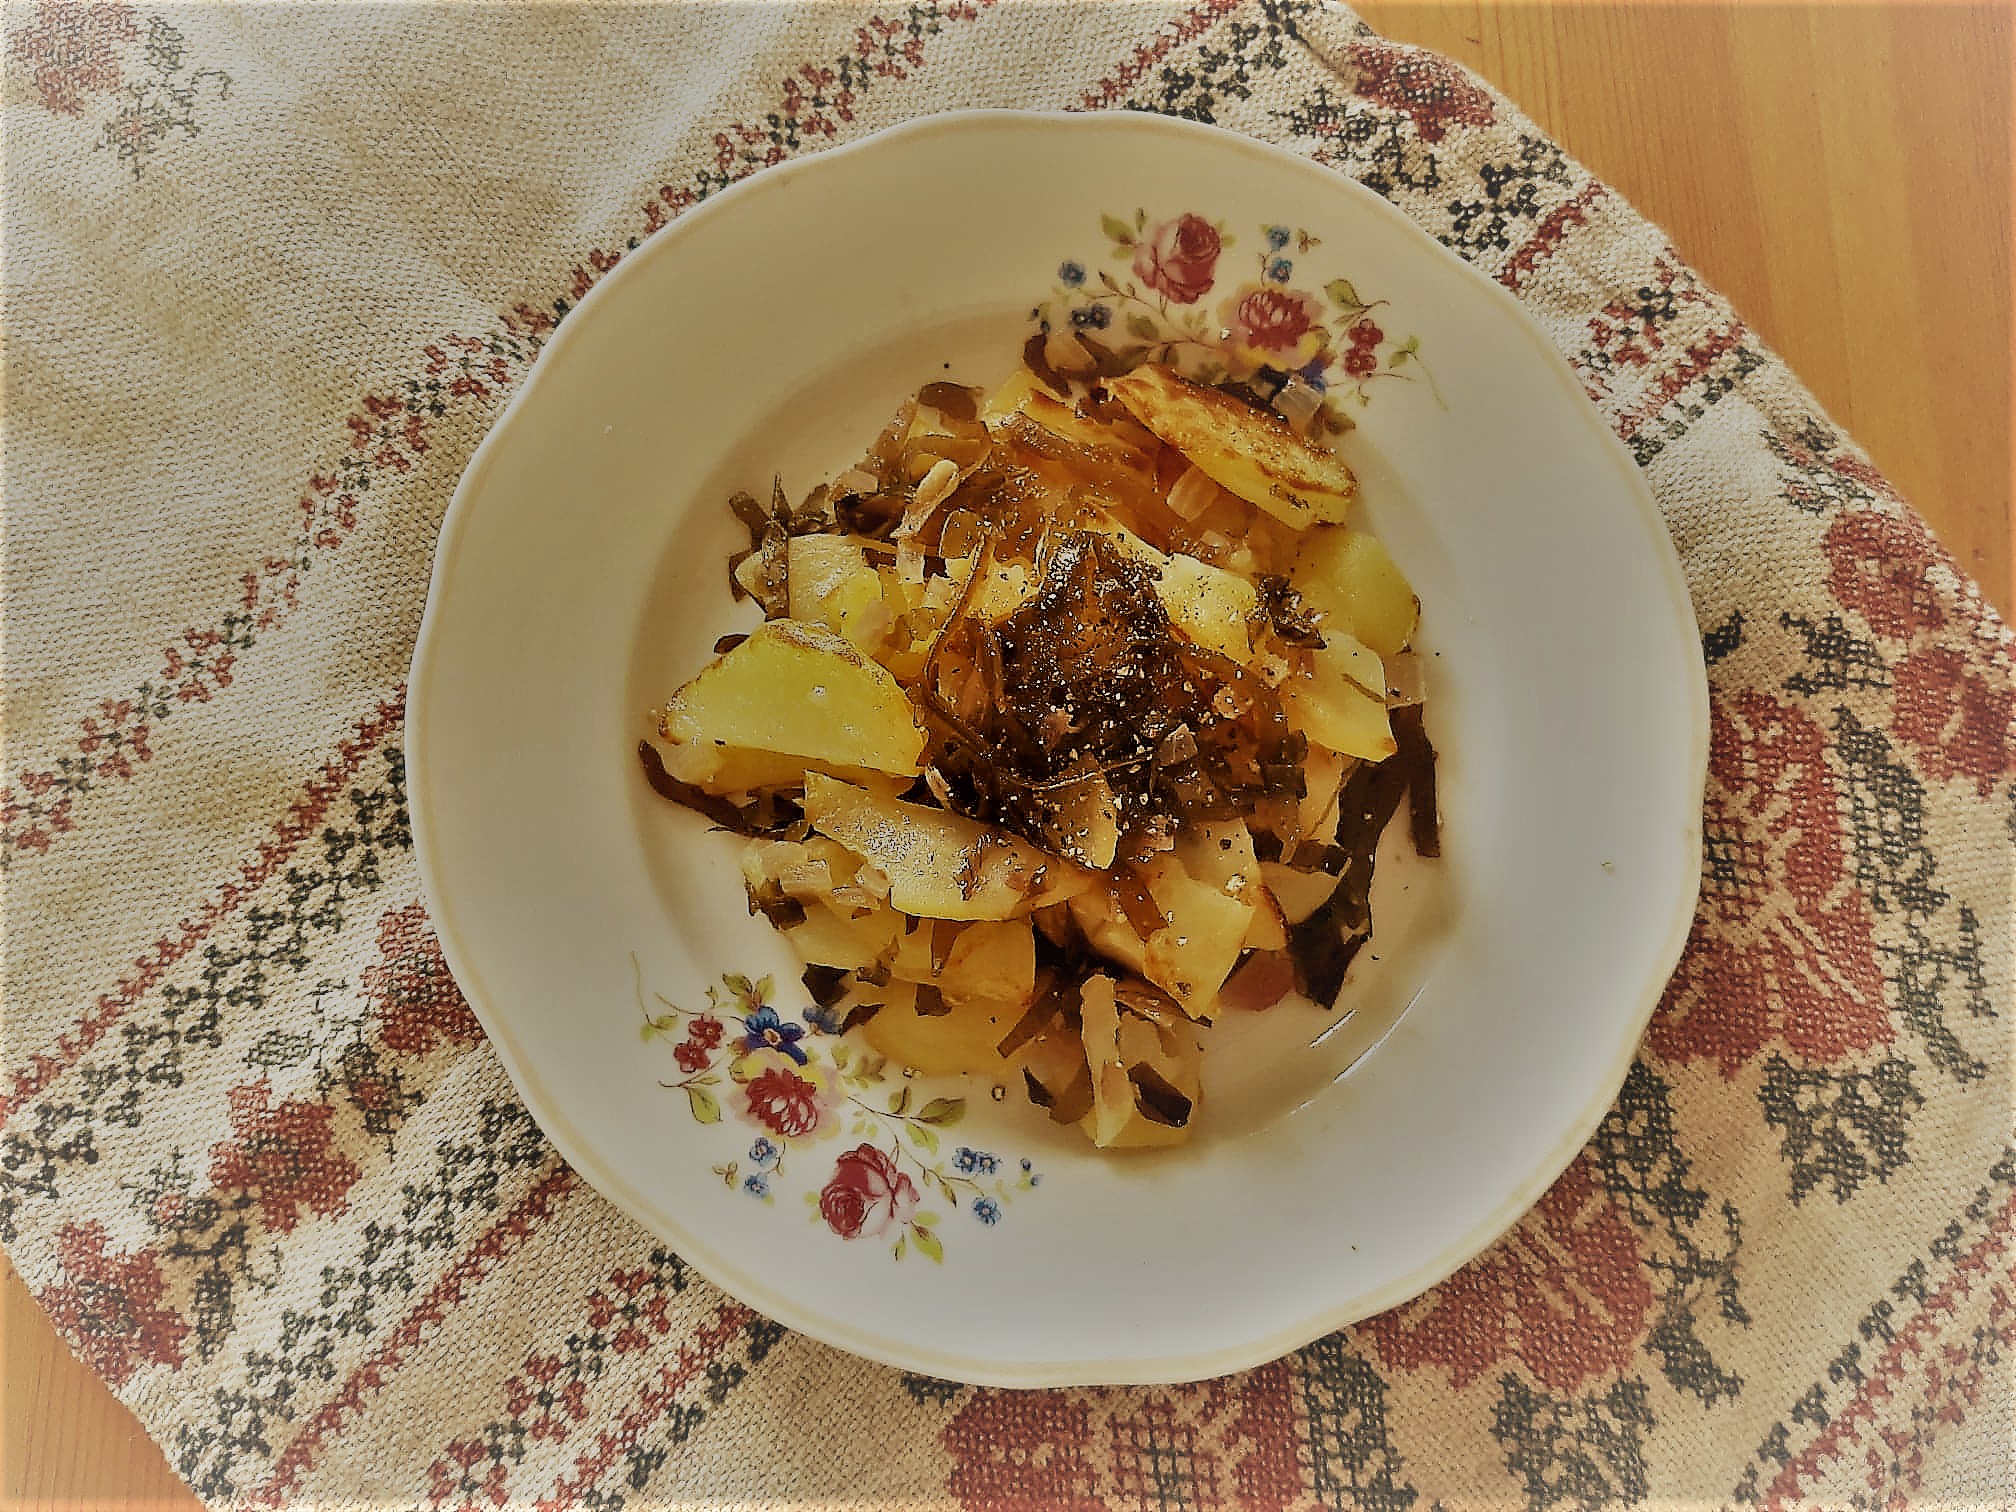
1841 172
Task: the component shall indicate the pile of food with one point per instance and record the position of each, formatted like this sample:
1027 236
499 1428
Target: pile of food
1074 721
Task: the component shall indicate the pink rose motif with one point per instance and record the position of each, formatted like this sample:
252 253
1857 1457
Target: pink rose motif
866 1195
1177 257
1273 327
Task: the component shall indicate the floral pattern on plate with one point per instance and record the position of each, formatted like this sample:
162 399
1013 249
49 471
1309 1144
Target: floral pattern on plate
1184 306
800 1083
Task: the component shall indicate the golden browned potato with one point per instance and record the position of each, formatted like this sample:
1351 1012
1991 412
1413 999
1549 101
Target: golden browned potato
1246 451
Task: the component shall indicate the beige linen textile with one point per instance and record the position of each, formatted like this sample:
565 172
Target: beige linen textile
270 271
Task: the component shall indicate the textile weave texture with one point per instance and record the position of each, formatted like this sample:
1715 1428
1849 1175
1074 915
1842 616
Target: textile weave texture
270 273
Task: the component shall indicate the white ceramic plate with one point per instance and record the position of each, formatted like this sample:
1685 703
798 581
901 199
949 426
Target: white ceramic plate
579 579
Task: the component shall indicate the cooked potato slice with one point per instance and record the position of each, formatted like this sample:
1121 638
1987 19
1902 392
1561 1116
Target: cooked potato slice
1000 593
1107 931
1007 399
1340 702
940 865
1208 605
993 963
1191 955
1222 854
731 769
1249 453
832 584
960 1039
1084 821
826 938
1145 1064
1299 893
1323 774
799 690
1349 576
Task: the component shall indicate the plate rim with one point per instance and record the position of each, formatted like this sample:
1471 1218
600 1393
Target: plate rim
1154 1369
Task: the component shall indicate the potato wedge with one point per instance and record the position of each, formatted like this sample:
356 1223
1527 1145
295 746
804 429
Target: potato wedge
940 865
799 690
1350 577
1249 453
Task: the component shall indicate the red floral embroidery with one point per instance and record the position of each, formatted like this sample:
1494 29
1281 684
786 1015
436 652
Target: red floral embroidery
1953 718
1880 562
284 1158
1231 1442
1565 1293
1431 91
74 45
413 994
109 1306
1783 943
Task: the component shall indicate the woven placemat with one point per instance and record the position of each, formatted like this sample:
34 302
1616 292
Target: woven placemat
271 271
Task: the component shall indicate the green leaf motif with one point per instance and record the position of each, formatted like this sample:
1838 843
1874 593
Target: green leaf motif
943 1111
925 1220
928 1243
896 1249
1117 229
1141 326
705 1109
900 1103
922 1137
1343 295
1140 219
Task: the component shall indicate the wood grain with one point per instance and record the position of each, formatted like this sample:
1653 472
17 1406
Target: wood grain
1841 172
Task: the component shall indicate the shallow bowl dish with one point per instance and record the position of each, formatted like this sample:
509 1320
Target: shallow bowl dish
1342 1162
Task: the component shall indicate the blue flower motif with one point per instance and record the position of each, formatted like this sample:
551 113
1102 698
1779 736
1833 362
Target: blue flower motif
1313 373
1072 273
763 1152
756 1185
1094 317
987 1210
825 1020
975 1162
1280 270
1277 237
769 1032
